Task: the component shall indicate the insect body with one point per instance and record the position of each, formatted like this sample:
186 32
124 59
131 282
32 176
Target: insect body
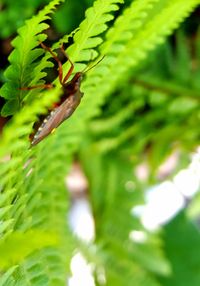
69 102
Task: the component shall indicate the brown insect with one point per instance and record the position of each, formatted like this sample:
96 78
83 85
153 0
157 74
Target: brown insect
69 101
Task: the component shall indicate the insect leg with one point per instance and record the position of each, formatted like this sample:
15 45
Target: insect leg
60 70
71 68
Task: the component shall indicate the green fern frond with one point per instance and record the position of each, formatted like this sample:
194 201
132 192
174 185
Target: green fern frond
88 37
133 36
51 200
7 278
23 71
29 113
32 185
18 245
127 44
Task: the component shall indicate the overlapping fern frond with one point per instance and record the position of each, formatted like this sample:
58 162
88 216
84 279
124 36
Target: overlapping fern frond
24 71
134 35
33 170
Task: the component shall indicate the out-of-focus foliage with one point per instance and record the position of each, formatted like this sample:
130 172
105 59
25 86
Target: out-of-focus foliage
140 103
160 110
182 249
110 199
14 13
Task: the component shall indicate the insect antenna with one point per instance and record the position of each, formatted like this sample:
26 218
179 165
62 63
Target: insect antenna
94 65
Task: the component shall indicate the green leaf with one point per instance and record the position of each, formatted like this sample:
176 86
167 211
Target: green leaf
20 73
182 247
18 245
